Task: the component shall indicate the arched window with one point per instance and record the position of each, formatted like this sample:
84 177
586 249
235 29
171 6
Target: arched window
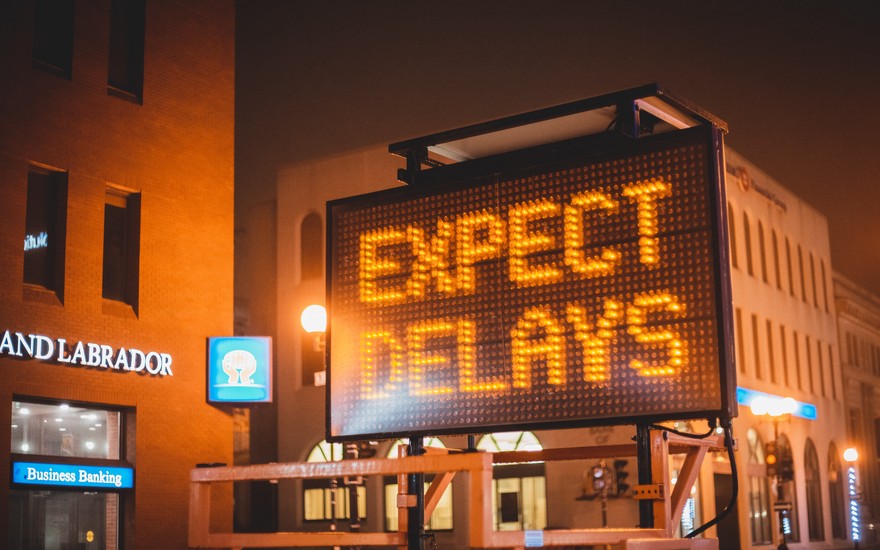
311 247
731 224
747 233
762 249
815 522
759 491
775 244
519 491
441 519
835 494
790 523
319 499
788 264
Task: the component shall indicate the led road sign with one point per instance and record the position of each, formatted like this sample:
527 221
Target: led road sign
583 291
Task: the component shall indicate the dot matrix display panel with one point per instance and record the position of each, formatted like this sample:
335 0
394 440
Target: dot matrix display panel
580 293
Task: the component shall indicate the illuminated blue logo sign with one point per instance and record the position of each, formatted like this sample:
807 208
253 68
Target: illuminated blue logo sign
72 475
240 369
747 397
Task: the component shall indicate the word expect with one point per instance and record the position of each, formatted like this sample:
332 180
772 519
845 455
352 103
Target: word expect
430 254
538 336
43 348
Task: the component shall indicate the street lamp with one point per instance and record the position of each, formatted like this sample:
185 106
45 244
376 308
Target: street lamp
851 455
314 321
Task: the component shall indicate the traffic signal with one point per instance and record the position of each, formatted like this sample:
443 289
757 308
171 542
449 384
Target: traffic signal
786 467
620 475
771 459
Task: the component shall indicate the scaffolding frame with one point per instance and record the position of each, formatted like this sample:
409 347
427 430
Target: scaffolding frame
666 504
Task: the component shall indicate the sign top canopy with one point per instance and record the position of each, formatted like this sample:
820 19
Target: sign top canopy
521 283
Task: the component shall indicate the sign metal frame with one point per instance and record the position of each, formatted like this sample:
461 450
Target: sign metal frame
592 148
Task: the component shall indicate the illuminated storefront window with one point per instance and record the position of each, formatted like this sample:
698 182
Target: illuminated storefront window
321 496
815 519
519 491
65 430
785 455
835 494
441 519
68 479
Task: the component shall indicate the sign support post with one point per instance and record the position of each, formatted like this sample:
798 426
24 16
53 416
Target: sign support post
416 514
643 458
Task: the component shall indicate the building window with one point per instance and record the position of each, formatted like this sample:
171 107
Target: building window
121 246
803 275
788 264
125 69
747 233
762 249
835 494
770 351
53 36
731 223
441 519
821 364
321 496
43 432
311 247
740 340
759 491
813 280
831 371
783 348
855 426
45 229
756 347
814 492
797 361
519 494
775 244
849 349
824 286
807 346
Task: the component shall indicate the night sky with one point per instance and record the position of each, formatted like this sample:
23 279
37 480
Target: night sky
797 82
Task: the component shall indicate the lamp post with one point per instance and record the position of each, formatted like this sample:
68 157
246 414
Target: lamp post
851 456
777 410
314 321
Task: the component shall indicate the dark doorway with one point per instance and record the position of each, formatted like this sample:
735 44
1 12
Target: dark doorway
728 528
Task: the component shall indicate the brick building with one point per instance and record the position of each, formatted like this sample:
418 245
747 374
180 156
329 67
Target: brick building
116 172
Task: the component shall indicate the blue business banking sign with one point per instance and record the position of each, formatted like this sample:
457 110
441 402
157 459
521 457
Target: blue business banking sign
74 476
240 369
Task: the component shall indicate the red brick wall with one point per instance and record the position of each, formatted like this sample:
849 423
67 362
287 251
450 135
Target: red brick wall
176 149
